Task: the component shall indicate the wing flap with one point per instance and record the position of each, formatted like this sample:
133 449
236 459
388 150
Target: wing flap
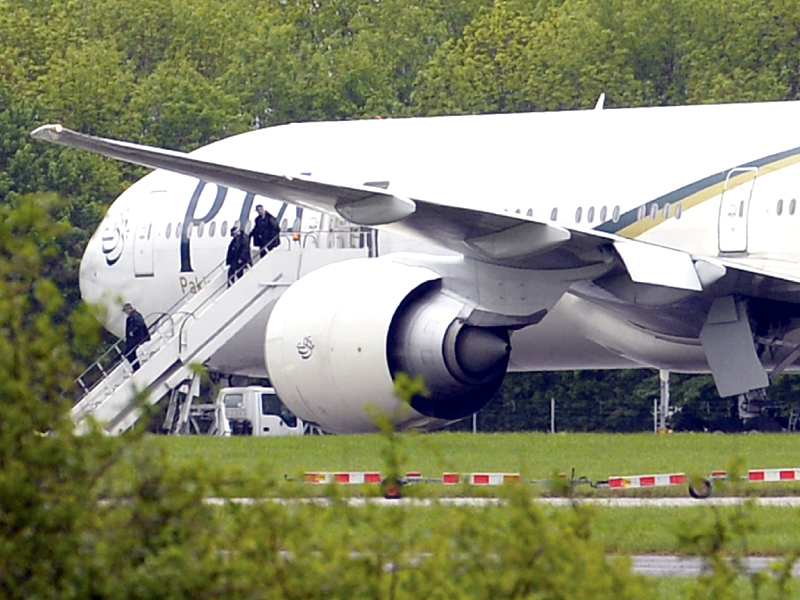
658 265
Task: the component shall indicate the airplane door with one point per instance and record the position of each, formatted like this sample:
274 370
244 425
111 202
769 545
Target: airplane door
145 234
143 250
734 207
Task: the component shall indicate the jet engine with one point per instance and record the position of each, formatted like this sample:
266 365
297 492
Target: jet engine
337 337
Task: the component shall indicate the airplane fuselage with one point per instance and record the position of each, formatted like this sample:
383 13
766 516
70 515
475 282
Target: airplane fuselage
688 184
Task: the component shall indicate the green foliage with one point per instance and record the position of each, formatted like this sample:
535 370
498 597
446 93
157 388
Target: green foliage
722 541
101 517
179 108
98 517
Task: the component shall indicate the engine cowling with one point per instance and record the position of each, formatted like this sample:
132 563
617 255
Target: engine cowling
337 337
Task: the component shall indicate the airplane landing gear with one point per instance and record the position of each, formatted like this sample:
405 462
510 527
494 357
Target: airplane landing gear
757 413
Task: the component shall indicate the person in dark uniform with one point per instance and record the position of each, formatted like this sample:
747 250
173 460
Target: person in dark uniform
238 256
266 231
135 334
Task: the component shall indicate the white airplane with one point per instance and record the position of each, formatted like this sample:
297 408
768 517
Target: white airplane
469 246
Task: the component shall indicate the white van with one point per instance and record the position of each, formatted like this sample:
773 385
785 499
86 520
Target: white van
258 411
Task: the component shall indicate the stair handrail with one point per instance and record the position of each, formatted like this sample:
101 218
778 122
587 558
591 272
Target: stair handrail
114 355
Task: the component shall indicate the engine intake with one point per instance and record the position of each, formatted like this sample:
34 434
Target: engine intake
337 338
462 366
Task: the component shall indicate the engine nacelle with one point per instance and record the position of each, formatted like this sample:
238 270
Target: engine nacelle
338 336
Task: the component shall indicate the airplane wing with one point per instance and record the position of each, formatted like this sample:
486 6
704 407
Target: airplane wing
505 239
603 267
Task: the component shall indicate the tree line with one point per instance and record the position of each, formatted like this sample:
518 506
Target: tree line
181 73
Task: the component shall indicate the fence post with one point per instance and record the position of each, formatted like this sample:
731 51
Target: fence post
552 415
655 416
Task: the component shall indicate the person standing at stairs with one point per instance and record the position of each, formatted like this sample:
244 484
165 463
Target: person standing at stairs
266 231
135 334
238 256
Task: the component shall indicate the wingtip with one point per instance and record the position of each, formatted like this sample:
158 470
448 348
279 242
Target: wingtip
48 132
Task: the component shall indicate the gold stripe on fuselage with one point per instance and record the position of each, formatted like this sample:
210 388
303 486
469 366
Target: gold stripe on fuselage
630 226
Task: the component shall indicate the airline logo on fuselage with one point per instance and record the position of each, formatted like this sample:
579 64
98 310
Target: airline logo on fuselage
113 240
113 235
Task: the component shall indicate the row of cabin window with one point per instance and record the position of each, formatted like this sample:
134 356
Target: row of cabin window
652 212
792 206
590 214
212 228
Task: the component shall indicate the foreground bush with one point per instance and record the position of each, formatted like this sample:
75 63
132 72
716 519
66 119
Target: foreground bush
99 517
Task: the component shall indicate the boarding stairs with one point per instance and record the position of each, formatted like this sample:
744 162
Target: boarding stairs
185 337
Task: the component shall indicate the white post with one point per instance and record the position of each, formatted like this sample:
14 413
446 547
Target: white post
474 422
663 376
655 416
552 415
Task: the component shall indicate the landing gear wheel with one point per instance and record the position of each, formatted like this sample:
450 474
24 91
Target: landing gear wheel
391 488
700 490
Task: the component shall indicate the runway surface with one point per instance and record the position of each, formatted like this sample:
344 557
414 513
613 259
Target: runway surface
691 566
649 565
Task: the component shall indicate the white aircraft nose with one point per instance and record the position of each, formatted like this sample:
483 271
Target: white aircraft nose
89 273
95 284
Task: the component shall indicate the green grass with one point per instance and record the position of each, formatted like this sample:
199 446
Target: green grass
534 455
680 588
655 530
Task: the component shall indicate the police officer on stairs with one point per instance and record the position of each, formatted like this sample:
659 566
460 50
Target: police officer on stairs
266 231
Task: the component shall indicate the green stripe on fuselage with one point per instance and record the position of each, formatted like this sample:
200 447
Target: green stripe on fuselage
631 226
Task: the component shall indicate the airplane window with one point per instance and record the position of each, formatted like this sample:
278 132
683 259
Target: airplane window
554 214
678 211
178 229
189 230
590 214
641 212
779 209
529 213
615 214
169 230
741 208
654 211
667 206
212 228
603 213
792 206
518 211
200 228
578 214
235 225
223 230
